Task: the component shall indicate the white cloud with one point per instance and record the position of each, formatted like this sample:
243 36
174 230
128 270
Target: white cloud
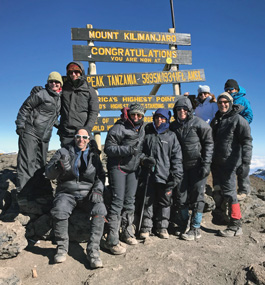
257 162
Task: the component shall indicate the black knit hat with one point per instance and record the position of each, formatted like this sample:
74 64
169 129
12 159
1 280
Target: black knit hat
231 83
136 108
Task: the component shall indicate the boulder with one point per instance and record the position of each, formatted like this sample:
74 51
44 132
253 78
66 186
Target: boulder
12 239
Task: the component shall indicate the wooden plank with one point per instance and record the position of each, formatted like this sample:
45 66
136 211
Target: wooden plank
105 35
145 78
131 55
104 124
107 103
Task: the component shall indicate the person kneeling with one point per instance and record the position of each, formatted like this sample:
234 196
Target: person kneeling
80 177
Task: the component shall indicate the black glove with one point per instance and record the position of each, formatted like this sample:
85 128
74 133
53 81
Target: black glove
205 170
243 170
64 163
148 161
96 197
36 89
20 131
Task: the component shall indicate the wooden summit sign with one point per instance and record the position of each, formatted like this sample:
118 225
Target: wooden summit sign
146 78
107 103
104 35
104 124
131 55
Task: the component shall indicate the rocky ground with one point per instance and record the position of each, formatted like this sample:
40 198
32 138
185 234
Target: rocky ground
209 260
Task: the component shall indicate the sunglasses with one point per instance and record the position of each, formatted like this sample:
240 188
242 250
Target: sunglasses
138 115
200 94
229 89
54 81
74 71
223 102
83 137
182 108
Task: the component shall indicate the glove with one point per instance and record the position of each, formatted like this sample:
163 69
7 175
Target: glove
20 131
64 163
148 161
205 170
96 197
243 170
36 89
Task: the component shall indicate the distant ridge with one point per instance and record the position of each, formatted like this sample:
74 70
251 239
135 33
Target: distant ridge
259 173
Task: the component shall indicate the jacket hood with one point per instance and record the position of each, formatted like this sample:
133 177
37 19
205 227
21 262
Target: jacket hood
183 102
240 93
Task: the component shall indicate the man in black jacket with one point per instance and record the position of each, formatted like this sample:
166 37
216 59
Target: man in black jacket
80 178
35 120
195 138
163 158
232 155
80 104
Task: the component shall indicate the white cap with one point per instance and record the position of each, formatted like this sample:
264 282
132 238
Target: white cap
204 88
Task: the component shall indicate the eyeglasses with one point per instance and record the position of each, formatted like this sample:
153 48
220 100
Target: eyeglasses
80 136
182 108
223 102
54 81
74 71
229 89
200 94
138 115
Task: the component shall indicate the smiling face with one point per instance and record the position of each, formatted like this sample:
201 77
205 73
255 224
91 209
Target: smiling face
82 139
223 105
54 85
182 113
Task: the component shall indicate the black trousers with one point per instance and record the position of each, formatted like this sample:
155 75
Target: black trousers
32 156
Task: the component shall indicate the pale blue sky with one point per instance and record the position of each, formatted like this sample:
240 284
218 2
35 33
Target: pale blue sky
227 41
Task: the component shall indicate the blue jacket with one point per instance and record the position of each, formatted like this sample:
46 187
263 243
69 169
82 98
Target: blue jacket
239 99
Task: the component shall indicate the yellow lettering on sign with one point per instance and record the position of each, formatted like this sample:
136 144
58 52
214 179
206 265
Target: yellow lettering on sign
95 81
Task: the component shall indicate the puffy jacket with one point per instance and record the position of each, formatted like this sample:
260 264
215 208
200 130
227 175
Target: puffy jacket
75 181
194 136
239 99
80 105
206 110
232 138
166 150
121 139
39 113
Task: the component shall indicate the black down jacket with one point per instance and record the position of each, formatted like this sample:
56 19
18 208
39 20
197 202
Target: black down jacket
119 146
39 113
80 105
232 138
194 136
166 150
74 181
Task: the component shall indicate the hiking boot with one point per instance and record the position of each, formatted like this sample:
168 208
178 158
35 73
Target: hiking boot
231 233
162 233
95 262
192 234
241 196
115 249
130 240
60 257
144 235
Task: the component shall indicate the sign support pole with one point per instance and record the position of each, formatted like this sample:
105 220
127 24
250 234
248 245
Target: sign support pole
92 70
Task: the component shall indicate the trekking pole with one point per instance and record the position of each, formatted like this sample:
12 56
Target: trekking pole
145 192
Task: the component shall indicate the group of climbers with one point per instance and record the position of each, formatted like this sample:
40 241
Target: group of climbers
149 166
